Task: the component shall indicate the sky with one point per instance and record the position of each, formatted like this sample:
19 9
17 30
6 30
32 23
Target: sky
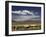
34 9
19 13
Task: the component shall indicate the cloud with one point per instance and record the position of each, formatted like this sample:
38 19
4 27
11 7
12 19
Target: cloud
23 12
24 18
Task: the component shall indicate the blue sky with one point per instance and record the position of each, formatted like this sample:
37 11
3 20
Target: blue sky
32 10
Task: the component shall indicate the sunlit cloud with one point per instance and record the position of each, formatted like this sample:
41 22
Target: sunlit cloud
25 18
23 12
